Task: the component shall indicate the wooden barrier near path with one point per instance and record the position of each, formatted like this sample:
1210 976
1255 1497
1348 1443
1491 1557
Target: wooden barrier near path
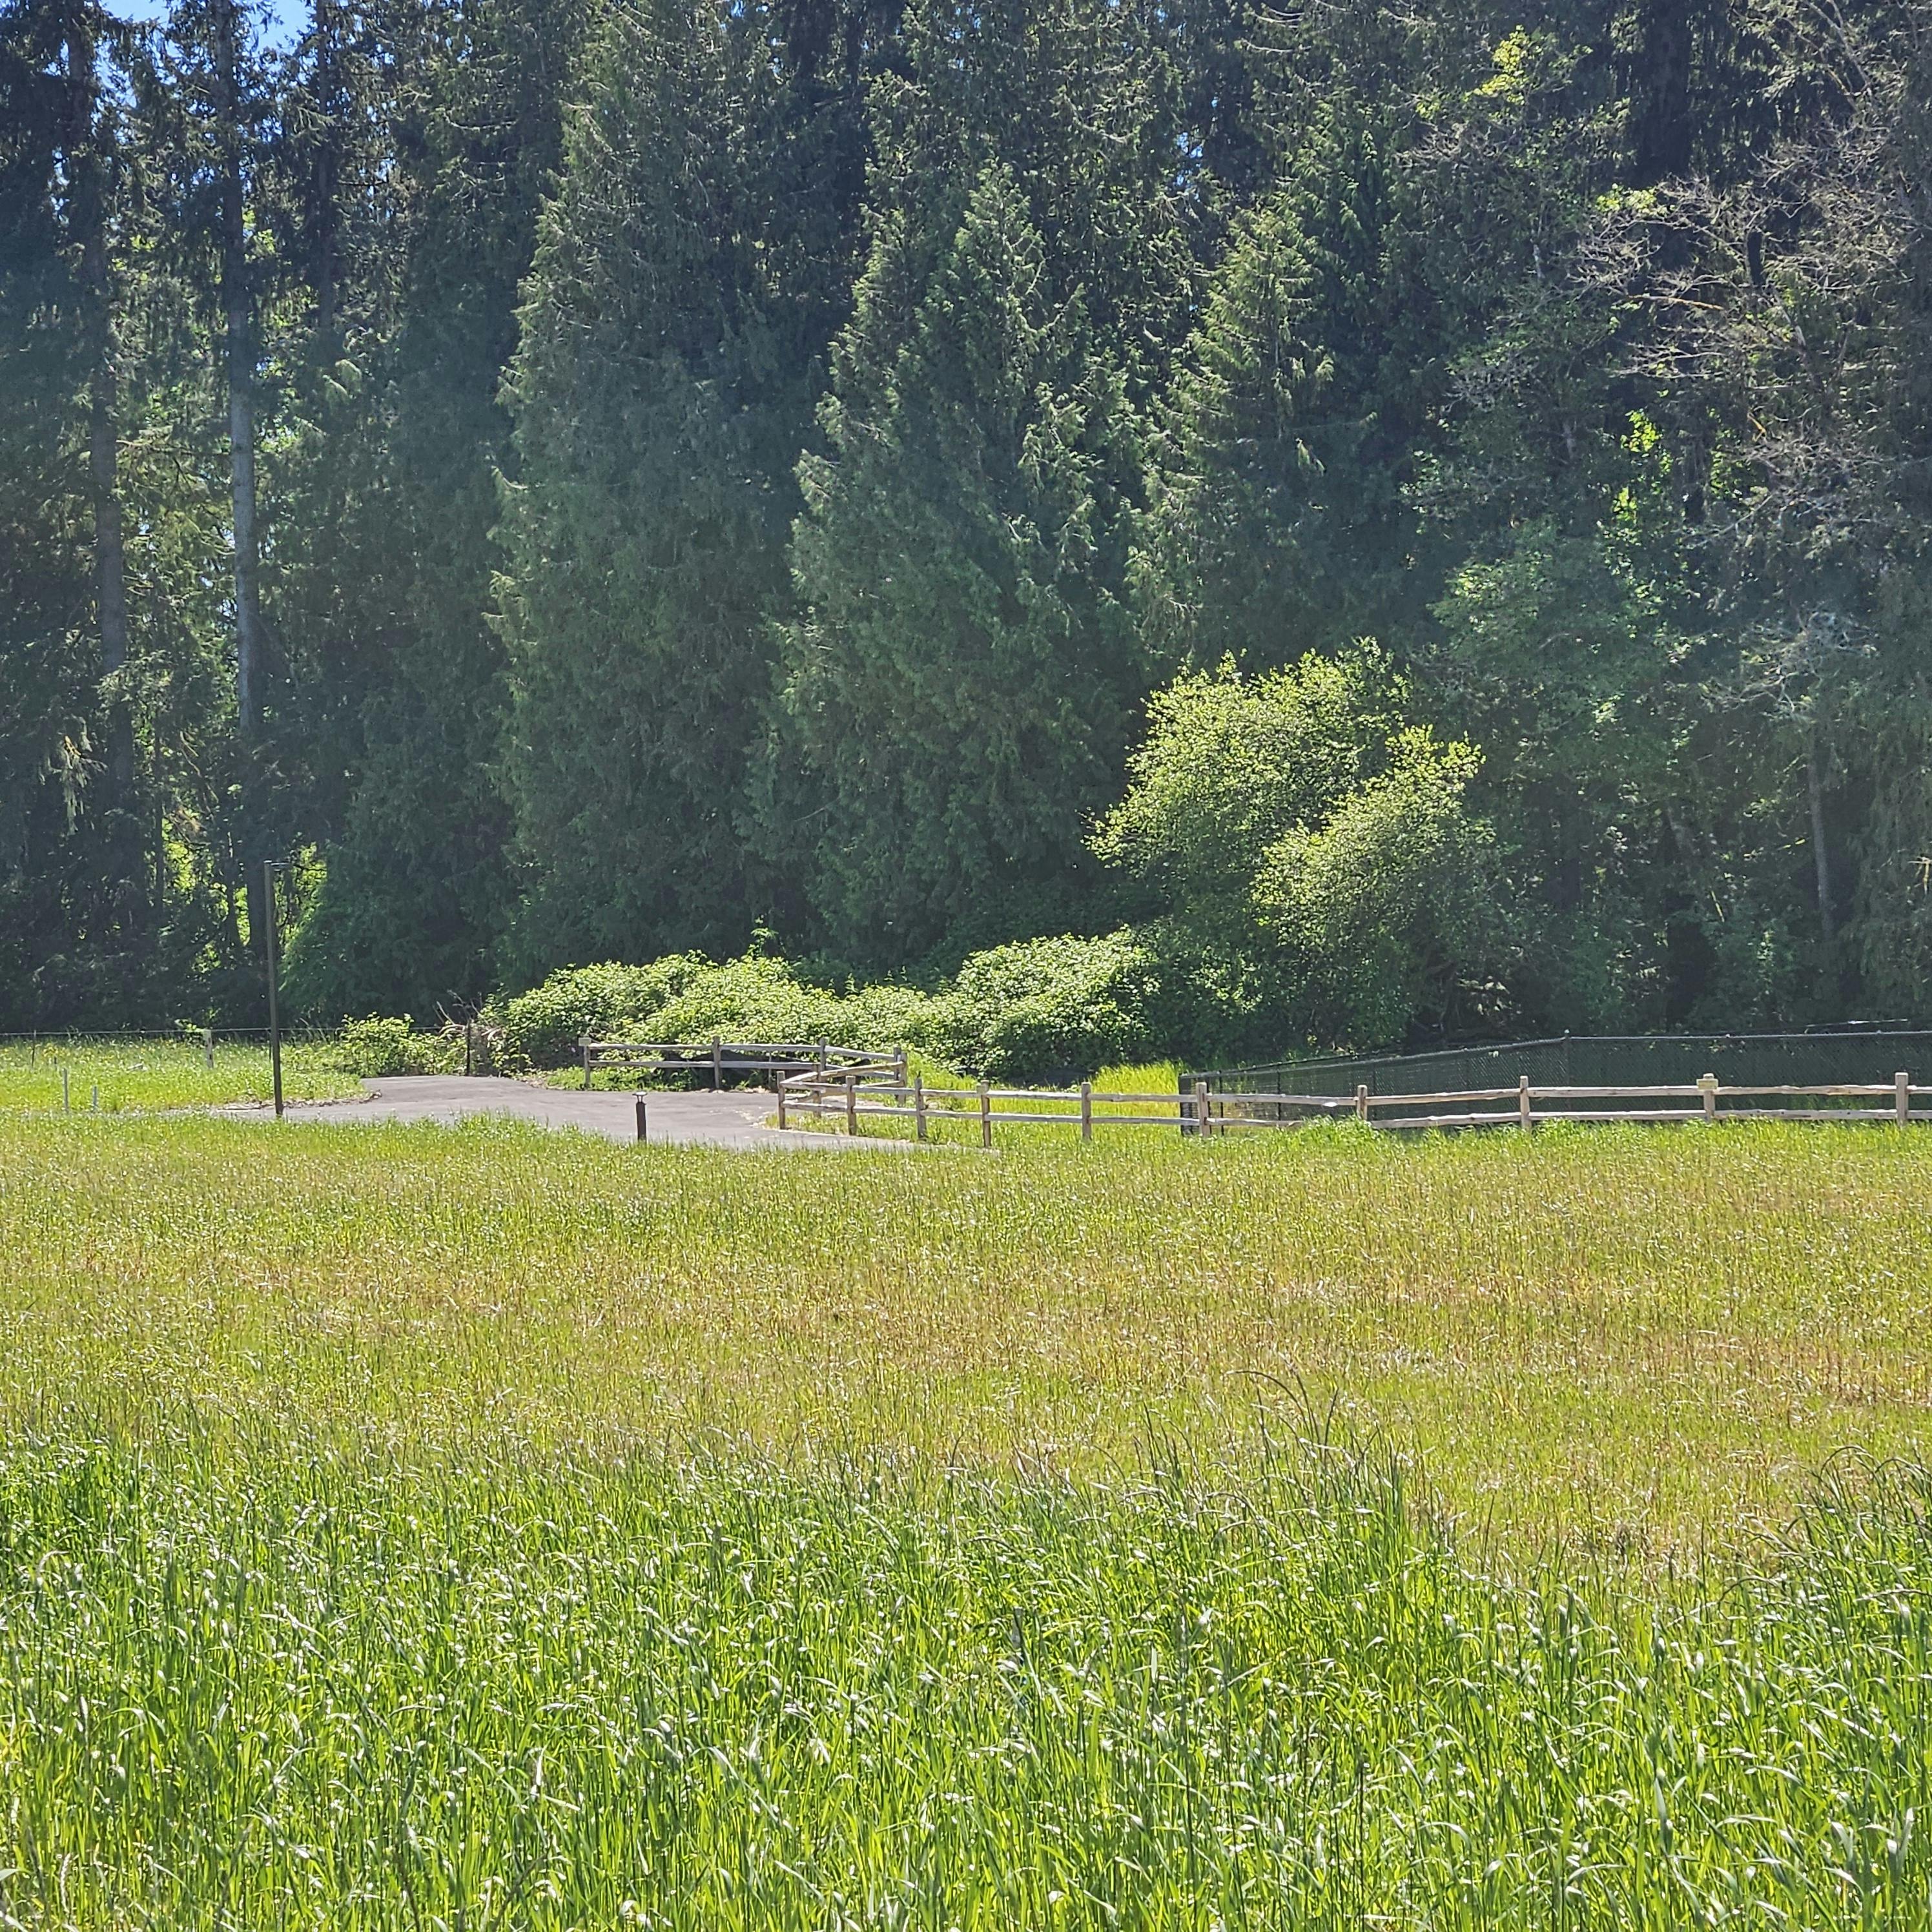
855 1096
721 1056
882 1092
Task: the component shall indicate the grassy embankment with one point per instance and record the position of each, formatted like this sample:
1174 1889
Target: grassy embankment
411 1527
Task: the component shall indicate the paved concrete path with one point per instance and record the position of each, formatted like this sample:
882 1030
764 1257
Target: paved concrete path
730 1120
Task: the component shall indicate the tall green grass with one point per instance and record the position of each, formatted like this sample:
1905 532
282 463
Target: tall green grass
409 1528
277 1684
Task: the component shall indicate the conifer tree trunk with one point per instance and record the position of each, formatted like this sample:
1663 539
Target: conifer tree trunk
1661 104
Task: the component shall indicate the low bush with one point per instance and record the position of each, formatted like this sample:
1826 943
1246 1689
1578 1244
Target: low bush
758 998
542 1027
1048 1010
376 1047
752 998
688 998
1039 1010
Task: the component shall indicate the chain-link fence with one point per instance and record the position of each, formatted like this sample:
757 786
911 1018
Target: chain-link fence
1850 1055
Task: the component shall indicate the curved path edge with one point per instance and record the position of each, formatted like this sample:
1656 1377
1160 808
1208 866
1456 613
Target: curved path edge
735 1119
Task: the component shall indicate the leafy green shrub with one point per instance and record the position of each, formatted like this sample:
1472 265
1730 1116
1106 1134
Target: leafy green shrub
751 998
542 1027
1229 764
687 997
1044 1009
1040 1010
377 1047
758 998
886 1015
1379 898
1308 861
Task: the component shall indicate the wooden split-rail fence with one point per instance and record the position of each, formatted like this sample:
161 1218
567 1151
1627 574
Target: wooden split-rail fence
845 1085
721 1056
851 1097
848 1095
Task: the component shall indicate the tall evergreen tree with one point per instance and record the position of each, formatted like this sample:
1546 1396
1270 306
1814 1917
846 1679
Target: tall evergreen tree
90 161
691 269
213 103
408 676
1277 523
47 715
1061 143
76 863
961 674
1084 102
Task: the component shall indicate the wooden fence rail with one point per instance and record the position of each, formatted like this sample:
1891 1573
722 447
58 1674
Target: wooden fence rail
721 1056
881 1091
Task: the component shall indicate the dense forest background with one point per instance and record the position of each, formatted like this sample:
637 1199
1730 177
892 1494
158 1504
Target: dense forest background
1420 519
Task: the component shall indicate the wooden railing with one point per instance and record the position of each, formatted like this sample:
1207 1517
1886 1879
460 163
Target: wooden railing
721 1056
1524 1105
851 1094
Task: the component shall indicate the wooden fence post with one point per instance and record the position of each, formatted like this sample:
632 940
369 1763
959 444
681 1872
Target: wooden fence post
781 1101
584 1042
986 1115
641 1119
918 1103
1362 1105
717 1064
1522 1099
1204 1118
851 1103
207 1048
1901 1087
1707 1085
1086 1110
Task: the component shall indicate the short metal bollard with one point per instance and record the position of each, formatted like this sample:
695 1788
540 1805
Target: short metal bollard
640 1122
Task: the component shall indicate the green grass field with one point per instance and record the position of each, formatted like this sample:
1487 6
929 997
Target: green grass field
405 1527
157 1074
